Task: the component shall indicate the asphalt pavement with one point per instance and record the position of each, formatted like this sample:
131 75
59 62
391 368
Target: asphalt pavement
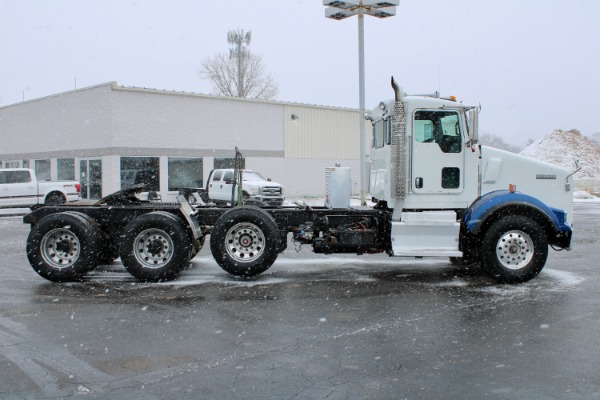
311 327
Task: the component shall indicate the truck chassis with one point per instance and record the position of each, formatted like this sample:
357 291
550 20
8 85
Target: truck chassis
155 241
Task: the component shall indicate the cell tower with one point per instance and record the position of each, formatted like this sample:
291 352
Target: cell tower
238 40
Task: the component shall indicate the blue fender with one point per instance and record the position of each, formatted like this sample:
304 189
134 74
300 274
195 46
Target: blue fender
494 201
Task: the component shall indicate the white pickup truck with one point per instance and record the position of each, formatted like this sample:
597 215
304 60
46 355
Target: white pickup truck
254 187
19 187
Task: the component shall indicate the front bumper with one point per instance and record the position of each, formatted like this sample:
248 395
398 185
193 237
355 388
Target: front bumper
562 239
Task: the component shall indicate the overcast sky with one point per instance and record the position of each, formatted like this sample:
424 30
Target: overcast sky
534 65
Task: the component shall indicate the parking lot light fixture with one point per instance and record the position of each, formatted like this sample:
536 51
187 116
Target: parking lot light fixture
342 9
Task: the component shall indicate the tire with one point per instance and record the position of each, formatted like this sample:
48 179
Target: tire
62 247
102 240
245 241
155 247
514 249
106 250
55 199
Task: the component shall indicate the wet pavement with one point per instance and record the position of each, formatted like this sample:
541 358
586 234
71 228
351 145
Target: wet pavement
311 327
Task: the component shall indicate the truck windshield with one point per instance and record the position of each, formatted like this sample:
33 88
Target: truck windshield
252 176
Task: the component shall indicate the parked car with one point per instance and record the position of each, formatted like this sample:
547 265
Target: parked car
19 187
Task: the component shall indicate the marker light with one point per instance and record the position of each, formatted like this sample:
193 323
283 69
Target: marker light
453 98
512 188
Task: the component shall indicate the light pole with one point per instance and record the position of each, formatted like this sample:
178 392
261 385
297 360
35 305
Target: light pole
337 10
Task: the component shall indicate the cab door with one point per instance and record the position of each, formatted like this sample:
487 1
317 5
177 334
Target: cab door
437 152
220 185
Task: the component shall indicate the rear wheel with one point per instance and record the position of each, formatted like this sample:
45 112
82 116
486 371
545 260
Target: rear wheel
514 249
155 246
54 199
62 247
245 241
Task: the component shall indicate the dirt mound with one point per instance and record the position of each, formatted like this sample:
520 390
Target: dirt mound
563 147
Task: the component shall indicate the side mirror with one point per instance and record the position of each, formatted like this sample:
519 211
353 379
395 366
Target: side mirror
473 116
269 179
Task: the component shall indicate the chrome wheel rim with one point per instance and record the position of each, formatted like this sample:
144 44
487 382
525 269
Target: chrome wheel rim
60 248
245 242
153 248
514 249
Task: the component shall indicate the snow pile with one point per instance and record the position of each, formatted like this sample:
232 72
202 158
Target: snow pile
562 147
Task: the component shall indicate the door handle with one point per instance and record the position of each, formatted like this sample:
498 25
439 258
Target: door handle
419 183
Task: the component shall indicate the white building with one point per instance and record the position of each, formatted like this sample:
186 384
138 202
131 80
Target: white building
108 137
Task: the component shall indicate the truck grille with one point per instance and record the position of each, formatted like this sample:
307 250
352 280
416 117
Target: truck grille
271 191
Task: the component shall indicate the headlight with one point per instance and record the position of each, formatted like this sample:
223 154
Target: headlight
252 189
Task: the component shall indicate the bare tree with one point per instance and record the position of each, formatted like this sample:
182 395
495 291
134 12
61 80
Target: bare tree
239 73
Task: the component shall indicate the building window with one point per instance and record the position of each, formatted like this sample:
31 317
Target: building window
222 163
185 173
66 169
25 163
11 164
42 170
140 170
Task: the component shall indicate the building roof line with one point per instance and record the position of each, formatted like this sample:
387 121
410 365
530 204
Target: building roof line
83 89
217 97
116 87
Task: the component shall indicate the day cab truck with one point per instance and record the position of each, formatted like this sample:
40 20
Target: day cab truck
19 187
437 193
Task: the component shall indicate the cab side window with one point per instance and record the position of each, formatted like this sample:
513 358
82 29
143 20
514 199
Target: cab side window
217 175
382 133
439 127
228 175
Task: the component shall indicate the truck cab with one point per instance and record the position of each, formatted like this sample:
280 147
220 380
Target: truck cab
445 189
434 162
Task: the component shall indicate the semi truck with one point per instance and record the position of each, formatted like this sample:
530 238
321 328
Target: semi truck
436 192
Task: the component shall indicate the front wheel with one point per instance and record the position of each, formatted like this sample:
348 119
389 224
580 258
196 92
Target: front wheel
155 247
245 241
514 249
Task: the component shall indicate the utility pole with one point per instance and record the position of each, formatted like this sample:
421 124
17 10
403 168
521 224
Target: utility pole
237 40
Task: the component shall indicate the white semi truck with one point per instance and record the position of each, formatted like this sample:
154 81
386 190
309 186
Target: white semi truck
437 193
